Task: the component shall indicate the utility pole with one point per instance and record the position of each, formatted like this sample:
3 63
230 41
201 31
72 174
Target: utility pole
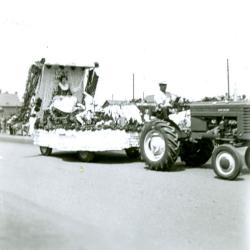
133 86
228 85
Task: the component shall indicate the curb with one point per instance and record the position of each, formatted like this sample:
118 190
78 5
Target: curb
16 138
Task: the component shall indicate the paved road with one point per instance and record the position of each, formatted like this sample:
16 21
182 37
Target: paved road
58 202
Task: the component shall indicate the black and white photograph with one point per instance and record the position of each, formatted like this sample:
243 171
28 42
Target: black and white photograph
125 125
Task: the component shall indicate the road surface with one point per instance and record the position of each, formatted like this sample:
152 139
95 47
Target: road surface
58 202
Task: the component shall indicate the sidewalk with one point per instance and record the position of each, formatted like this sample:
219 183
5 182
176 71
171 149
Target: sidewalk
15 138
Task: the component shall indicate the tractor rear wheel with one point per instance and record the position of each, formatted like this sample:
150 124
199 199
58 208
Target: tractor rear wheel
86 156
226 162
247 157
196 153
45 150
159 145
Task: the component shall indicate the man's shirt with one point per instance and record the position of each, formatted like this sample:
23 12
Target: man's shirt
163 99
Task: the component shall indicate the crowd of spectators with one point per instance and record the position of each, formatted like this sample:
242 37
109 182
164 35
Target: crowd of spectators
8 126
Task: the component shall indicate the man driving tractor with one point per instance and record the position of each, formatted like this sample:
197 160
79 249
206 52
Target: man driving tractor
163 100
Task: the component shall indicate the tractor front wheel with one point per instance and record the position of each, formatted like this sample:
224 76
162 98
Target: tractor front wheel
159 145
226 162
247 157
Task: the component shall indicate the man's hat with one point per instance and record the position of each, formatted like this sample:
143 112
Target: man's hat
163 84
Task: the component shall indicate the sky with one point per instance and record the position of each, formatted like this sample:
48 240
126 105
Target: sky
183 43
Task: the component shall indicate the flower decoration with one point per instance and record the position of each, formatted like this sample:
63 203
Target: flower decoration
98 121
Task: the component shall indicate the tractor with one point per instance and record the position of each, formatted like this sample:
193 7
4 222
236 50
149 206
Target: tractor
217 131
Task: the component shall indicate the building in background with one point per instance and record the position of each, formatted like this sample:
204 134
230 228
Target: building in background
9 104
114 103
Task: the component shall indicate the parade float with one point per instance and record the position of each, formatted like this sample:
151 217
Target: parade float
66 118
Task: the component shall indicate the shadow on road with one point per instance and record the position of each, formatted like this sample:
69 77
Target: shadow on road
100 157
204 166
181 166
237 179
245 171
176 168
120 157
